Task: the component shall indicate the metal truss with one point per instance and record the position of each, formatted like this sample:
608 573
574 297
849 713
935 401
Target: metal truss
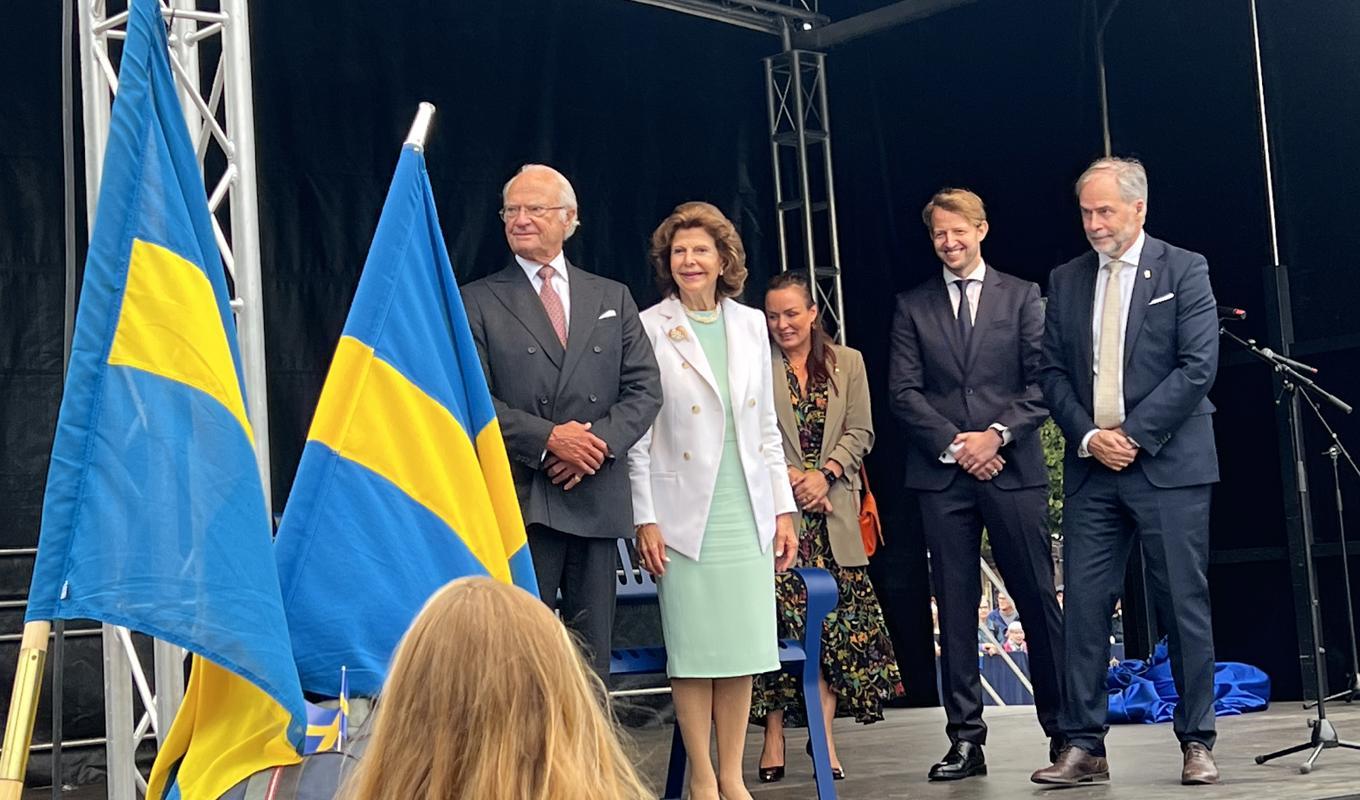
222 128
805 194
766 16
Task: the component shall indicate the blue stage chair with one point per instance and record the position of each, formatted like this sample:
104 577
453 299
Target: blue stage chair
801 658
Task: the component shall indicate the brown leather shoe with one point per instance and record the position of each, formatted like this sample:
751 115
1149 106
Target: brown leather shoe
1199 768
1074 766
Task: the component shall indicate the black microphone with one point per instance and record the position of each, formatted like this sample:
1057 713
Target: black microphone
1287 361
1235 314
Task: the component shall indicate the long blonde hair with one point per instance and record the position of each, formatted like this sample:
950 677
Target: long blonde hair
489 699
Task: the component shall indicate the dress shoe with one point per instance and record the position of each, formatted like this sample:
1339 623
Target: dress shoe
1199 768
1055 747
774 774
1074 766
964 760
837 773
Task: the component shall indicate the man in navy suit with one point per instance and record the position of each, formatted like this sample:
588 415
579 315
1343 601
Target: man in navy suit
1130 351
963 379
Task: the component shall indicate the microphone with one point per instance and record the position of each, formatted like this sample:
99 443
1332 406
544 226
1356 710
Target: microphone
1289 362
1230 313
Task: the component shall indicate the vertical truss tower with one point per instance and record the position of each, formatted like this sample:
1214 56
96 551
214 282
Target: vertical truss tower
805 194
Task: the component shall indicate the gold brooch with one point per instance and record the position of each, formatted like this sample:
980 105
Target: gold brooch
678 333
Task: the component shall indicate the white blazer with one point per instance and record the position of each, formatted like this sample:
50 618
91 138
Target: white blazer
674 466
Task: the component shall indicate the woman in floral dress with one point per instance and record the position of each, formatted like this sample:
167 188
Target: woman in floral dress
822 400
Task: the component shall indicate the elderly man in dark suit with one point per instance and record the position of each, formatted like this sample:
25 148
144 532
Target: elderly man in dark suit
575 384
1130 351
964 370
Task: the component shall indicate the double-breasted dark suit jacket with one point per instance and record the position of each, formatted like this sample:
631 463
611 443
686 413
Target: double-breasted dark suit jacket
938 389
1170 361
606 375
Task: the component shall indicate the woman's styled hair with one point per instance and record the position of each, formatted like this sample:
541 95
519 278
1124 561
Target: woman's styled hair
821 362
489 699
730 251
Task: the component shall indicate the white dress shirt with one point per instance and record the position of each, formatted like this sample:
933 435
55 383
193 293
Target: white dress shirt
560 281
953 284
1128 275
974 289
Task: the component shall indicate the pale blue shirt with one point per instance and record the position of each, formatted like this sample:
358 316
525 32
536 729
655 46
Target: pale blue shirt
1128 276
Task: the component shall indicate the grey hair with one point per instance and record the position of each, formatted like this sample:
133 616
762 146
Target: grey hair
566 195
1128 173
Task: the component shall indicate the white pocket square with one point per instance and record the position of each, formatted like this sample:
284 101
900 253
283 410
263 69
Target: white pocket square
1162 299
610 313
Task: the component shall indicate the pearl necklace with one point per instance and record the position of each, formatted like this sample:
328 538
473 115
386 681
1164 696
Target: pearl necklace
705 316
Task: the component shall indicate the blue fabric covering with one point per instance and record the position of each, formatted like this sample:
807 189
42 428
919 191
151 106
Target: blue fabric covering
1143 691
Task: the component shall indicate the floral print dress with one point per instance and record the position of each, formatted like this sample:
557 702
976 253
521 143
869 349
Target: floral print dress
857 655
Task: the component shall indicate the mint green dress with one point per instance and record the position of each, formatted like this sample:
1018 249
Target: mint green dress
718 613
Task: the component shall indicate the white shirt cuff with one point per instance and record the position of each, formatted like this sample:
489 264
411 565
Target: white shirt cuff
947 457
1003 430
1082 452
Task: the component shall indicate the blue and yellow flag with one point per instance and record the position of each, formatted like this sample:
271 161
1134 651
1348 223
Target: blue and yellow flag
404 482
155 516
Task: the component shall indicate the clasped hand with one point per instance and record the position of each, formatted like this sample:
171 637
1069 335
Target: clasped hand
810 490
976 452
1112 448
574 453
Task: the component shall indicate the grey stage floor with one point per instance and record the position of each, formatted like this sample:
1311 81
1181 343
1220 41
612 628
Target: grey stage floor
889 760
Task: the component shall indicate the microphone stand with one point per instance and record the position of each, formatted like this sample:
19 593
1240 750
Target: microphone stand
1336 450
1298 386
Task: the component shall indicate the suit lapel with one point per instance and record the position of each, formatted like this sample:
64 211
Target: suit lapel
835 411
676 329
1086 295
988 311
942 308
738 365
585 312
1144 278
515 291
783 403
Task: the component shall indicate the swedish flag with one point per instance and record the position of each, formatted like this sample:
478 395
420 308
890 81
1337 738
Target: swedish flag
404 483
154 516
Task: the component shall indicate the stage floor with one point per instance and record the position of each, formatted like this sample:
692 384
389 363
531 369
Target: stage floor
889 760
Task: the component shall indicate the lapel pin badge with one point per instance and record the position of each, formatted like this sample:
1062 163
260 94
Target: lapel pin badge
1147 273
678 333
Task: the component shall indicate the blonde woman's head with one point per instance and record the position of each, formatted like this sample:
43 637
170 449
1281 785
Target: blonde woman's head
488 698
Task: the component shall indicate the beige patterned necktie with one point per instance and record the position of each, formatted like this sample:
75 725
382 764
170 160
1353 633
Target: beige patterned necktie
552 303
1107 413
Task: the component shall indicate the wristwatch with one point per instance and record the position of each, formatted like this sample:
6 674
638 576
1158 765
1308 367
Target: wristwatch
830 476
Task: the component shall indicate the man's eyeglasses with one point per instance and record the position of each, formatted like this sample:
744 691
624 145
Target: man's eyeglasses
537 212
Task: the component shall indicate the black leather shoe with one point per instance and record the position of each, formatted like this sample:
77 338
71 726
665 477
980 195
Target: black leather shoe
964 760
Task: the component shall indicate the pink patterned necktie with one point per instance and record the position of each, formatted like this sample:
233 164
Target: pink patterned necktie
552 303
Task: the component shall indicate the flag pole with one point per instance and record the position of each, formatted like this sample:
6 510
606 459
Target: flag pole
23 709
420 128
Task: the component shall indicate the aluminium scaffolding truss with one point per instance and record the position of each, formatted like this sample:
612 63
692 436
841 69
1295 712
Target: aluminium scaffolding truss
222 128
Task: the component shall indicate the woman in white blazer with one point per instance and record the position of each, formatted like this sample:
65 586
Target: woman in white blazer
711 497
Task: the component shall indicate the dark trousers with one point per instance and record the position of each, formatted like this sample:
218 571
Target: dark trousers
1017 525
577 576
1101 521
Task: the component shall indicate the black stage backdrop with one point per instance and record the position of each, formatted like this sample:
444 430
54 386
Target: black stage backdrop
643 109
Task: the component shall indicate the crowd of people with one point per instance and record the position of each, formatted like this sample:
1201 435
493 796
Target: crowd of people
730 441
